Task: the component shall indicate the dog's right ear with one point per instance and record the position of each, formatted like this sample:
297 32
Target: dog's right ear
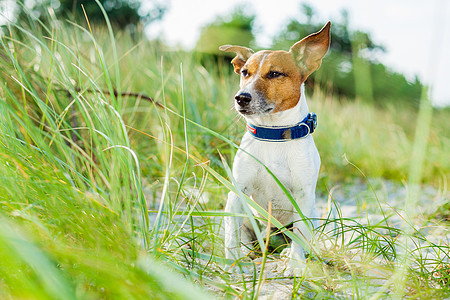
242 54
308 52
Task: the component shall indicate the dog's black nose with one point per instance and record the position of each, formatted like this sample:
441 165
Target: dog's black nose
243 99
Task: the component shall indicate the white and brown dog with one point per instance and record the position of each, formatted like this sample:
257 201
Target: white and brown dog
271 99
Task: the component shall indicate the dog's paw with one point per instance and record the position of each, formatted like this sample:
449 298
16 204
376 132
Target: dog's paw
295 269
291 265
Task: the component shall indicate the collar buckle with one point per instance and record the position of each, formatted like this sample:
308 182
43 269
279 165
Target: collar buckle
311 121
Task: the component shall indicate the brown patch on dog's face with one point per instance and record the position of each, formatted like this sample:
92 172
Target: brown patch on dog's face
274 77
271 80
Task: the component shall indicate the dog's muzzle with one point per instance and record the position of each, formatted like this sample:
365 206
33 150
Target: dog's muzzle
251 104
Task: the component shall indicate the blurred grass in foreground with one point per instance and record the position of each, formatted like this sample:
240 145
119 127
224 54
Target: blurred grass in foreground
78 175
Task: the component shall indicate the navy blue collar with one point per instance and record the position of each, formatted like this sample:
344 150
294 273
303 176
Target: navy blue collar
283 134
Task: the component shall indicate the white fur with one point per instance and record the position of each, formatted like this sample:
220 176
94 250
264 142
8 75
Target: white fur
295 163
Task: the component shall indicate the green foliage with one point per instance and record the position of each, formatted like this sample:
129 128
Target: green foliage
234 30
442 213
306 24
74 219
121 13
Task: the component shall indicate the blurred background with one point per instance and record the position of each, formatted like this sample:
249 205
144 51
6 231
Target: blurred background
92 174
400 46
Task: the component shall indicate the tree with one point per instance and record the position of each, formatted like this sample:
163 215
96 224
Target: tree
351 65
341 40
121 13
236 29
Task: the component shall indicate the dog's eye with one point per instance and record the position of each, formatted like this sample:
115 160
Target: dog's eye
274 74
244 73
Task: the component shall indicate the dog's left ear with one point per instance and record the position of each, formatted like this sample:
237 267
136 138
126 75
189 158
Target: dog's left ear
308 52
242 54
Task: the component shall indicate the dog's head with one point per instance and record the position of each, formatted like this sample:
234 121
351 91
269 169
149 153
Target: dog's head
271 80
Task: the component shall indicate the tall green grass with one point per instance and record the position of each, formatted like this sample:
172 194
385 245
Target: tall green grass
102 194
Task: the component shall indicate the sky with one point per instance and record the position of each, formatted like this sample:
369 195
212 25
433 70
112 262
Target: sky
415 33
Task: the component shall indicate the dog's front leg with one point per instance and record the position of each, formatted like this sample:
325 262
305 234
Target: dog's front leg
238 233
233 225
294 257
237 237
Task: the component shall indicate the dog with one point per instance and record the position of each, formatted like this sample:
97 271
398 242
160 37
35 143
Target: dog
279 127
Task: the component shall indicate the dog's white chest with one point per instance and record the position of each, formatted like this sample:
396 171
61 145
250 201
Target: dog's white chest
277 160
292 163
